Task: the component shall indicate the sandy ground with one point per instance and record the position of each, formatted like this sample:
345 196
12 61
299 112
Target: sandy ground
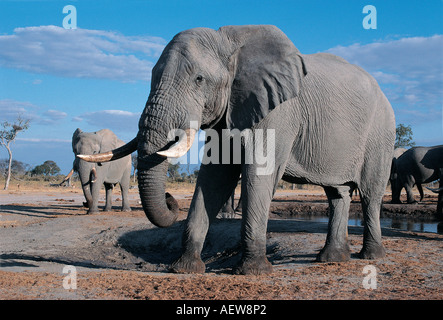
120 255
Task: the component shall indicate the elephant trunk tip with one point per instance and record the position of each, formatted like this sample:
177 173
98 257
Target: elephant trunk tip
167 217
160 207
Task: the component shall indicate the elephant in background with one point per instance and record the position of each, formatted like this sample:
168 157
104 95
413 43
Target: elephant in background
229 210
397 153
94 175
416 166
253 79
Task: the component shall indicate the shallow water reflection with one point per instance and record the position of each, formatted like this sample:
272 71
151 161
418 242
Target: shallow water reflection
408 224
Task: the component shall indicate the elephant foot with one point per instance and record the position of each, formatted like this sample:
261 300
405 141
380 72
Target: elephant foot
126 209
107 209
372 252
91 211
187 264
334 254
254 266
396 202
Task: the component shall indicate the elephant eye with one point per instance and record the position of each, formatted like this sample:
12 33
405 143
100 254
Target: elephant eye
199 79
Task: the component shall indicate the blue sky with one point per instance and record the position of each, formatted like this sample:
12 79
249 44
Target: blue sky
98 76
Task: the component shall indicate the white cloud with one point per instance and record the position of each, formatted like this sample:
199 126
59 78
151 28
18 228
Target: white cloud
11 109
409 70
52 116
80 53
38 140
115 120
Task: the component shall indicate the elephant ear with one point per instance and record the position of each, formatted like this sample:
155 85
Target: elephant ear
108 140
75 138
268 71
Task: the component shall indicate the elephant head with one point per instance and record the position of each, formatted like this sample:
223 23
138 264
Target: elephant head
232 77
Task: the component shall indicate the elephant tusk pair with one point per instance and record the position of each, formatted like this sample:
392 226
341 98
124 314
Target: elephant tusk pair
175 151
435 189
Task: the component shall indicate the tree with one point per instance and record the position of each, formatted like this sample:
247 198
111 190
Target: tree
17 167
8 135
48 168
403 137
173 171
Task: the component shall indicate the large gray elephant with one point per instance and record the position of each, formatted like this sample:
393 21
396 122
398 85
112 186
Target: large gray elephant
416 166
93 176
253 80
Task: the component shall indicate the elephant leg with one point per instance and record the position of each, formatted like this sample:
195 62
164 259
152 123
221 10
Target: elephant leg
440 205
239 205
257 192
88 196
95 192
396 192
124 187
227 210
440 198
108 188
372 245
336 247
409 184
215 184
125 198
410 194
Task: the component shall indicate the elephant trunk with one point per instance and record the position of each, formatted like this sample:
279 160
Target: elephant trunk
158 126
87 175
160 207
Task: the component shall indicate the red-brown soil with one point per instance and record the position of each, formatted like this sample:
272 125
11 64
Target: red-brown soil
123 256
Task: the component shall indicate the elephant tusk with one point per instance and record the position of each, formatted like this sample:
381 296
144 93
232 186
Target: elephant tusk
115 154
181 147
68 176
94 175
435 189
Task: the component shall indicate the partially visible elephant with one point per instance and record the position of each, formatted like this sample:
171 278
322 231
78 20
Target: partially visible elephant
397 153
252 79
439 191
416 166
94 175
229 210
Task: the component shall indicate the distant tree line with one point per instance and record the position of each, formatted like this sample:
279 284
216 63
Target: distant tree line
181 173
20 169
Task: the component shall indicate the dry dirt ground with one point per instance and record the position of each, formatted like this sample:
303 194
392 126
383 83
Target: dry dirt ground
120 255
